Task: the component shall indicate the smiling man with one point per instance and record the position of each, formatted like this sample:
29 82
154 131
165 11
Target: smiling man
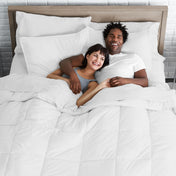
115 35
130 67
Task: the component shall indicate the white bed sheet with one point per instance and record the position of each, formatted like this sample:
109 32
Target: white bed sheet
127 130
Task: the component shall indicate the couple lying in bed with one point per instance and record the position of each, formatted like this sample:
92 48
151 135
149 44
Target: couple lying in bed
78 71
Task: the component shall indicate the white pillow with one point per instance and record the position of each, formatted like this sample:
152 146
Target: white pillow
95 36
32 25
139 44
18 65
43 54
157 74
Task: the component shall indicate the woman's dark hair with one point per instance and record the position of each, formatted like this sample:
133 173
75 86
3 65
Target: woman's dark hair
94 48
116 26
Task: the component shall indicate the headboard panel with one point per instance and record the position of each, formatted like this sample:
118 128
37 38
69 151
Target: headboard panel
99 14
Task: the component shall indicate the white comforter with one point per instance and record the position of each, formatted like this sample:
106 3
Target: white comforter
122 131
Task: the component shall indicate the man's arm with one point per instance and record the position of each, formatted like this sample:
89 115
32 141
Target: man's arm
140 78
66 67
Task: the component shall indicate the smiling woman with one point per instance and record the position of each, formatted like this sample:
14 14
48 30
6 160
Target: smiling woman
95 59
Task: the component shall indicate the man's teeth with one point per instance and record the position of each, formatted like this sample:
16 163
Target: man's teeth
114 44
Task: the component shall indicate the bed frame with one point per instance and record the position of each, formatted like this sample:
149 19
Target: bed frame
99 14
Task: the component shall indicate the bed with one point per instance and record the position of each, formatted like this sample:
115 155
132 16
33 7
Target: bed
122 131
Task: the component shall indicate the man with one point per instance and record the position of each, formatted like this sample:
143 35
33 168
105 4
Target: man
115 35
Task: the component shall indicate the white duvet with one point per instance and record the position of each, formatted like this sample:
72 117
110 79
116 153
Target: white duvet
122 131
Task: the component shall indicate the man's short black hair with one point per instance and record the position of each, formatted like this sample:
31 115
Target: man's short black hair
116 26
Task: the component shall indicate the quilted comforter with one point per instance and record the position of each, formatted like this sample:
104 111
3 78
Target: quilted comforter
122 131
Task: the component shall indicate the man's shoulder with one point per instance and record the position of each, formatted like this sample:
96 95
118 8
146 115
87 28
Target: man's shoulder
124 57
124 54
132 56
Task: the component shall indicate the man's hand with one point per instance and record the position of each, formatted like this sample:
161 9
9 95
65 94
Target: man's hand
67 65
118 81
75 84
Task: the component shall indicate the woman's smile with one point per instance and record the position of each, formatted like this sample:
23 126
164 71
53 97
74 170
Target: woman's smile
96 64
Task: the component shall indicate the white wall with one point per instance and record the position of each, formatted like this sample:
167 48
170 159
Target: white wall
170 40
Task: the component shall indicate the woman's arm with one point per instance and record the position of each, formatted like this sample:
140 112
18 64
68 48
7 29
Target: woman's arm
57 75
140 78
67 65
93 88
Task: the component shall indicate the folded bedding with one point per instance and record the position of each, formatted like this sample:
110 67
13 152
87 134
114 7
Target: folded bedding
124 131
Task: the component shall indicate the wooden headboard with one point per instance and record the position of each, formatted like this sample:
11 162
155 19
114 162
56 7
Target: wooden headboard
99 14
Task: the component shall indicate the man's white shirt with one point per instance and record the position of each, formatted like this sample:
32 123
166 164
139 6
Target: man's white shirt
122 65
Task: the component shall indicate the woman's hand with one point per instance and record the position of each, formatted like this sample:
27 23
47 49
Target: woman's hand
93 88
105 83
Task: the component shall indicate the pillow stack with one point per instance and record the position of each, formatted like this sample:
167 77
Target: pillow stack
46 40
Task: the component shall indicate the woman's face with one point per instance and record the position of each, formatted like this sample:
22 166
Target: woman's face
95 60
114 41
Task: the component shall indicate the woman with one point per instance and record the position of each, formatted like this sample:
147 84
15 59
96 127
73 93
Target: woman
95 59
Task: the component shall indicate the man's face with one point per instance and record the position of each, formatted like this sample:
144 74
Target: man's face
114 41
